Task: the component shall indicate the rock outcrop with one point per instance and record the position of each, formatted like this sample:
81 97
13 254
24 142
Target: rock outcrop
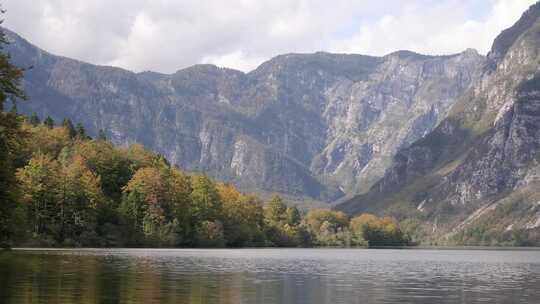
475 178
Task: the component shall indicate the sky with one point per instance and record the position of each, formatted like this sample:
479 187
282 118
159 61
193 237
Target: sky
166 35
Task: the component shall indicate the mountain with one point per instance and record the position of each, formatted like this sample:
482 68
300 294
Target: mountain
475 179
317 126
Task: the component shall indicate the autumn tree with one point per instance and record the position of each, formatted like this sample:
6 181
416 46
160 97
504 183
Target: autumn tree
40 187
242 217
329 227
378 231
79 200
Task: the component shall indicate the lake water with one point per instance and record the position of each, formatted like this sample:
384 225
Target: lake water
270 276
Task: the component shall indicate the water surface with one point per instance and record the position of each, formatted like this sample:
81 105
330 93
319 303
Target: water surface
269 276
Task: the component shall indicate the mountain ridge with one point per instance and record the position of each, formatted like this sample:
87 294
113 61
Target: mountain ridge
306 125
475 179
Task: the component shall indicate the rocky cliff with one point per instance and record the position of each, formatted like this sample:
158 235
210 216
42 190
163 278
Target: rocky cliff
475 179
320 125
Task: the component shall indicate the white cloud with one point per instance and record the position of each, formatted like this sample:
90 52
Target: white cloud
166 35
441 28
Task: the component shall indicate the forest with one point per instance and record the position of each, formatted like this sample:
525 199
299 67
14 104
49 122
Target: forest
61 188
67 189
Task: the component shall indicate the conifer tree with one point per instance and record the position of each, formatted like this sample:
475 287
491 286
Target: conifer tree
34 119
81 132
68 125
10 140
49 122
101 135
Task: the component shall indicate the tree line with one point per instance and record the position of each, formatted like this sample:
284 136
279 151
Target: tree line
71 190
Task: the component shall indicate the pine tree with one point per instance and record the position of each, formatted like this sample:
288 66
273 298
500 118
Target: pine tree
34 119
68 125
101 135
49 122
10 140
81 132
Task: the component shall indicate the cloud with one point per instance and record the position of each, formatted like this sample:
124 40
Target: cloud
166 35
444 27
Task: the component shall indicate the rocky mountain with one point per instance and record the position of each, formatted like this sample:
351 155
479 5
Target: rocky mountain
318 126
475 179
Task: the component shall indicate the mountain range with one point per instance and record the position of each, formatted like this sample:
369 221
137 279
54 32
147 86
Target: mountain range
449 145
315 127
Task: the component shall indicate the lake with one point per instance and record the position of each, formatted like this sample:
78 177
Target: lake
269 276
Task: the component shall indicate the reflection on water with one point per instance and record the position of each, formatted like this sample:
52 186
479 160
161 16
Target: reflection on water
269 276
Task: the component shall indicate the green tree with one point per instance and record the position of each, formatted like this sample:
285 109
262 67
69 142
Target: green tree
49 122
68 125
79 200
293 216
34 120
179 208
205 200
101 135
111 164
40 186
282 224
10 76
275 211
10 140
80 131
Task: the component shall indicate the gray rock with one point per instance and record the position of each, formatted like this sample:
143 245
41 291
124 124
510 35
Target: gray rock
480 165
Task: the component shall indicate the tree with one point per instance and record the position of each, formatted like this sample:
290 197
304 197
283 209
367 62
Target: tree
329 227
144 202
48 141
40 185
282 224
101 135
335 220
10 76
49 122
293 216
80 131
205 201
79 200
10 140
34 119
378 231
275 210
112 165
242 217
179 207
68 125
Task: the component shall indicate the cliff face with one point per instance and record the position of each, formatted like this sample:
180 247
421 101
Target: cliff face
476 177
318 125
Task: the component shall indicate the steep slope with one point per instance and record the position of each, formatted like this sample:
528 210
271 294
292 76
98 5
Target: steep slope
307 125
476 178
